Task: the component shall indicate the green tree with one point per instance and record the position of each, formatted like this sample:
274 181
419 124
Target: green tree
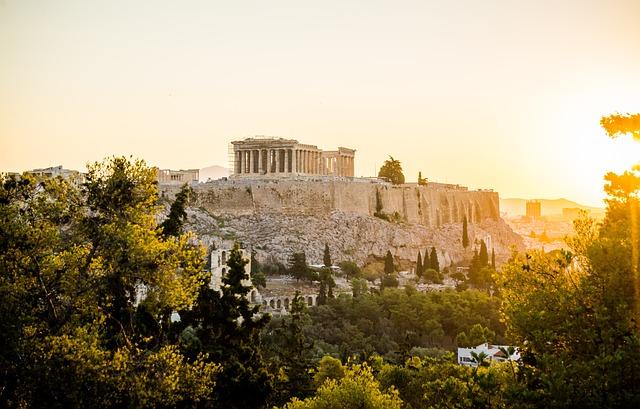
389 266
298 266
258 277
327 256
350 269
421 181
475 336
328 368
465 233
73 259
392 171
172 225
228 329
359 287
483 256
357 389
433 260
419 265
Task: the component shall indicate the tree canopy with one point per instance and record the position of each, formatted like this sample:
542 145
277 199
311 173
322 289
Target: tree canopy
392 171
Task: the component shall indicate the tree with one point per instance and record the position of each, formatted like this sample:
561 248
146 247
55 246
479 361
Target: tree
298 266
465 233
327 256
357 389
392 171
419 265
432 276
328 368
617 124
475 336
389 267
293 353
258 277
76 330
433 259
421 181
350 269
228 329
426 263
483 256
172 226
359 287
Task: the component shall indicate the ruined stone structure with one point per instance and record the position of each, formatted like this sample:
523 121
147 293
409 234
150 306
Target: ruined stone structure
219 269
287 157
177 177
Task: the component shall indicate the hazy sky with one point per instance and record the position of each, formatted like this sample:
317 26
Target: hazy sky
491 94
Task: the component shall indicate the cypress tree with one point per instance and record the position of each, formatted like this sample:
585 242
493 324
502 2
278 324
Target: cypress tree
426 263
327 256
484 255
435 264
419 265
465 233
389 268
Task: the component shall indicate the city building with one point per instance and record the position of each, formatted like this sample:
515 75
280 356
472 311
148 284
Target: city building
533 209
270 156
492 353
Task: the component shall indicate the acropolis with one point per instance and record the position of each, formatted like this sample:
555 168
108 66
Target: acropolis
270 156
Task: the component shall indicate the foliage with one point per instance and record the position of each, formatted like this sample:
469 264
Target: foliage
421 181
359 287
389 266
73 261
328 368
393 322
228 329
465 233
258 276
419 267
618 124
290 353
357 389
298 266
433 260
350 269
327 256
172 226
475 336
392 171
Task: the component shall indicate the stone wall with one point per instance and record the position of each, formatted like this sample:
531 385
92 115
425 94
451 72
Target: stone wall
430 207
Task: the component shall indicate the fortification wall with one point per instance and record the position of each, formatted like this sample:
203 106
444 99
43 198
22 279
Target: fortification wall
423 205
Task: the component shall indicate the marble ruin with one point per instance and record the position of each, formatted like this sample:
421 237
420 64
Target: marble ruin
260 156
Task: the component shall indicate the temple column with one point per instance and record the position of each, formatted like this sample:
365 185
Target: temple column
277 160
303 160
260 164
251 159
238 164
286 161
294 164
268 161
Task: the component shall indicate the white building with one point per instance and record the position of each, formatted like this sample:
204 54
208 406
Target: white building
494 353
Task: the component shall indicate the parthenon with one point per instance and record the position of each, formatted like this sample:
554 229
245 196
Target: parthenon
283 157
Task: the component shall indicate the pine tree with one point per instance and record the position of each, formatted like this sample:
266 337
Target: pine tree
327 256
435 264
298 267
465 233
483 257
419 265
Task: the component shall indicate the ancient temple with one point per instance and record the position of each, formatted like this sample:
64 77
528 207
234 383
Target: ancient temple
266 156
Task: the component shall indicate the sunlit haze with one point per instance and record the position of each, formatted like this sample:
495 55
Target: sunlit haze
490 94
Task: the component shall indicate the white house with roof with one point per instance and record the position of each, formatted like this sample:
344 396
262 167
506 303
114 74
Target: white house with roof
494 353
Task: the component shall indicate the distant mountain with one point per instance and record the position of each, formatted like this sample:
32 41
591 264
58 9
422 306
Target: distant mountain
213 172
549 207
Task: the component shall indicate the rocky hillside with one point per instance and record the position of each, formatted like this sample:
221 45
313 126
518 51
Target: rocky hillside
350 236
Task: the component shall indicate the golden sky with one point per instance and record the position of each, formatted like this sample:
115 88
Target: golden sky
491 94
